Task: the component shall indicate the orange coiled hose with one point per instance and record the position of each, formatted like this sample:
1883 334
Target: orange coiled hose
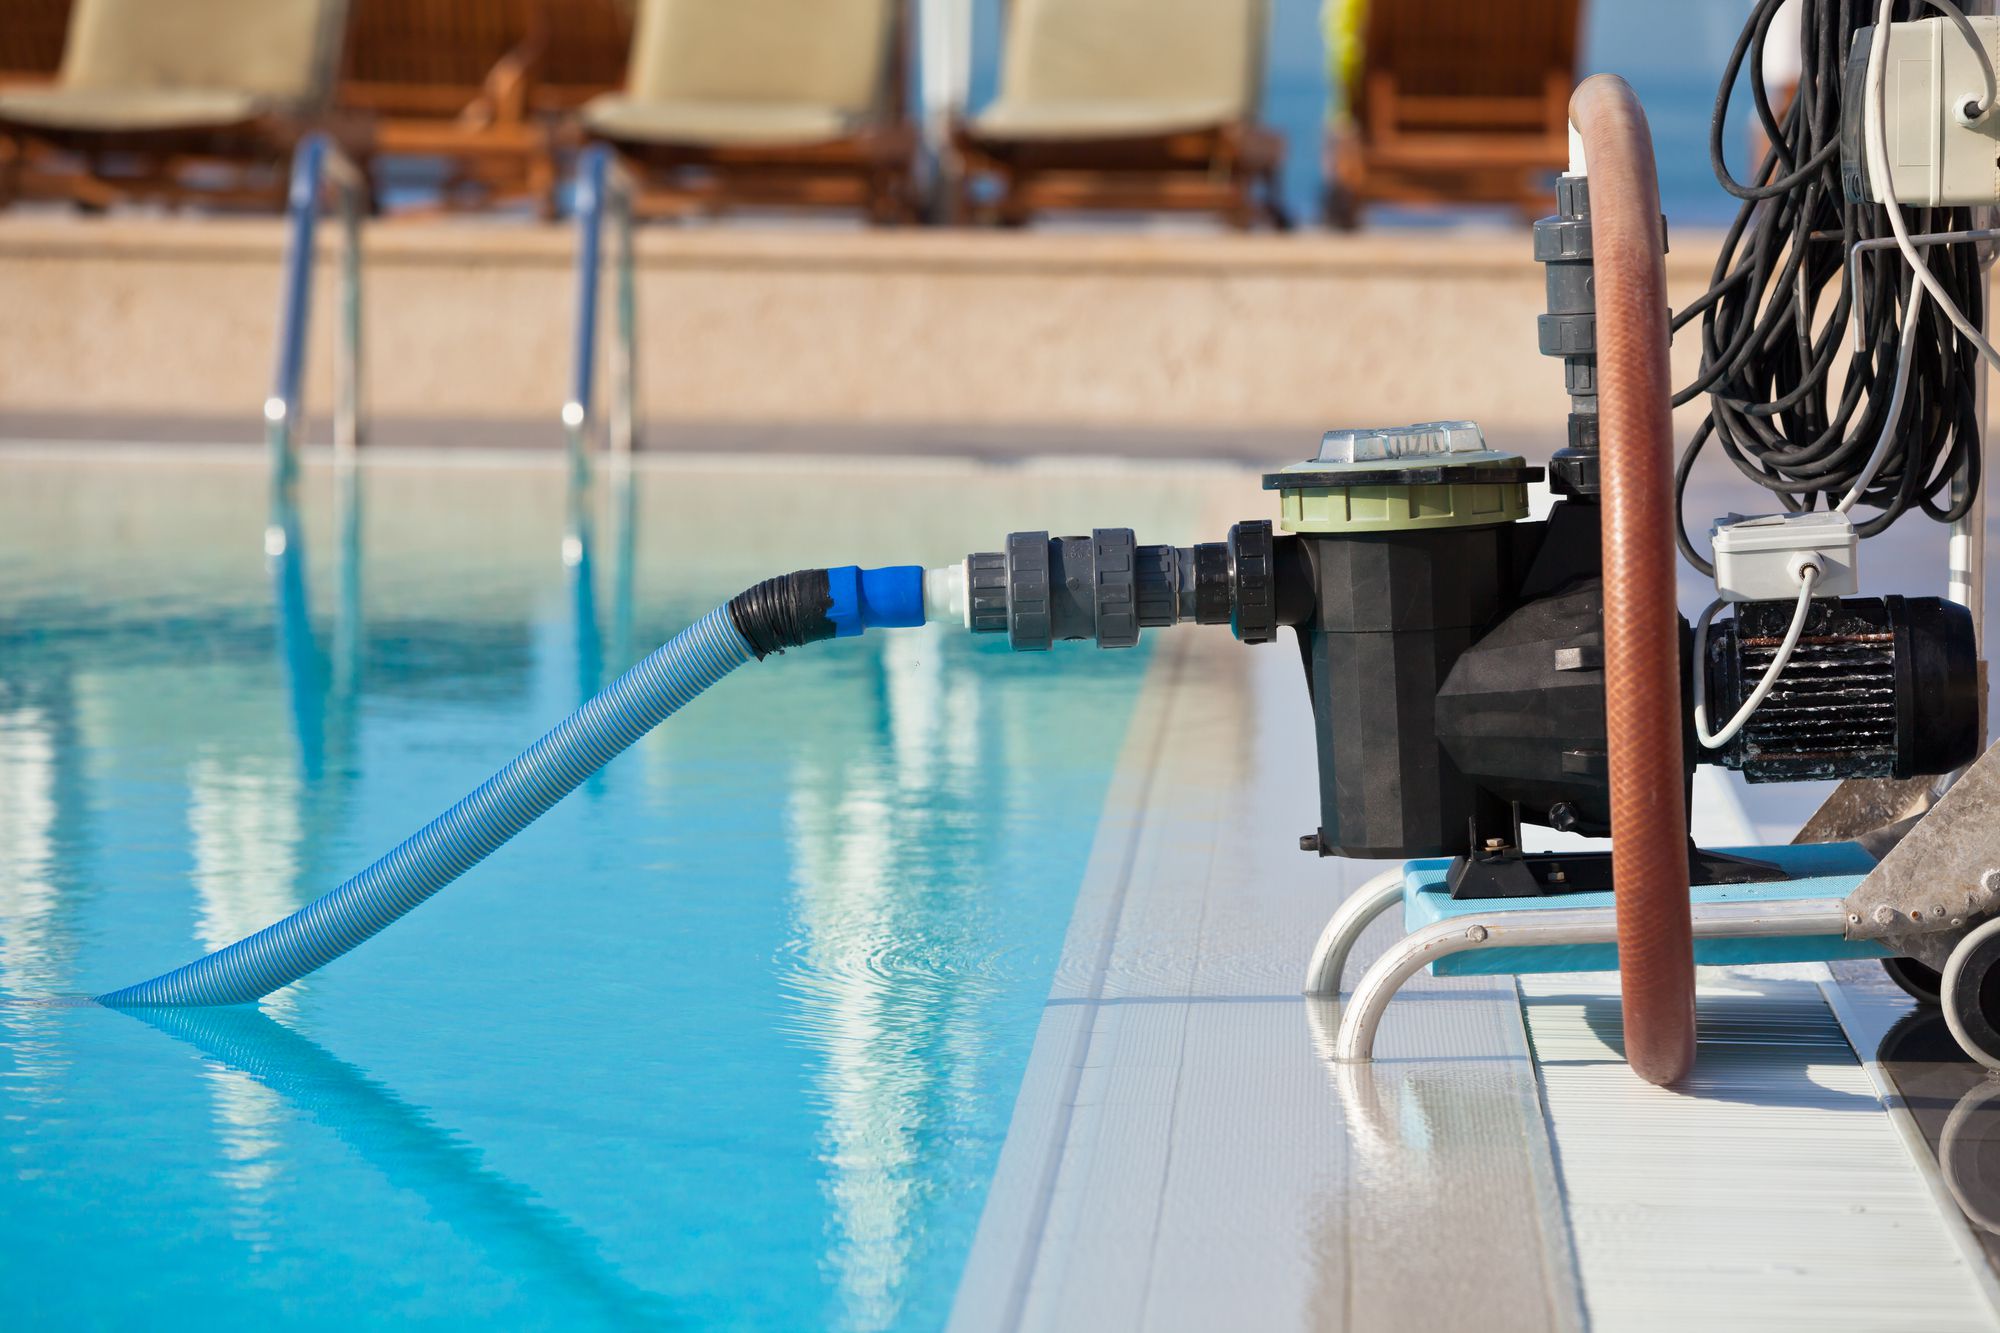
1642 671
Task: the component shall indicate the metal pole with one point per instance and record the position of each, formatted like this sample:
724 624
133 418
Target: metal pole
625 352
944 61
1965 550
347 354
576 416
316 160
285 405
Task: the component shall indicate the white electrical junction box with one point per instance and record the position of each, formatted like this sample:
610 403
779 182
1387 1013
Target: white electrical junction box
1755 557
1935 158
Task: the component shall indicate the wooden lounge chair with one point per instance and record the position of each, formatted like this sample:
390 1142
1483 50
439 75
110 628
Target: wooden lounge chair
1455 104
764 102
173 99
469 83
1128 104
31 41
584 53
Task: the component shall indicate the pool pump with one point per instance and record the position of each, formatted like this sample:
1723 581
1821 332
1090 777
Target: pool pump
1454 648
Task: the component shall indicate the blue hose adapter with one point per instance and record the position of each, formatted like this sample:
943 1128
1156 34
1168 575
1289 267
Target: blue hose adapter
780 613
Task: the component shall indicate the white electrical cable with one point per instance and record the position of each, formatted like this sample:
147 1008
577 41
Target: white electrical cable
1905 354
1875 115
1808 574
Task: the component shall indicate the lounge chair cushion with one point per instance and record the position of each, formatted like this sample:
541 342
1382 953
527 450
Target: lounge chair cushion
1009 121
792 56
716 124
106 110
1173 61
280 50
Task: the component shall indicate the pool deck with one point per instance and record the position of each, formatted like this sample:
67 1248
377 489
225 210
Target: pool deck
150 327
1184 1153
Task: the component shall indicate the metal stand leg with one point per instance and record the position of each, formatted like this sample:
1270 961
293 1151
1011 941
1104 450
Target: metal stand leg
1345 929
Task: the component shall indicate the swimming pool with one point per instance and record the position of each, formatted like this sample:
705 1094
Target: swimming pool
730 1038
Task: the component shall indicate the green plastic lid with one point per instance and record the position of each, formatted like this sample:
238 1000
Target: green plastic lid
1435 474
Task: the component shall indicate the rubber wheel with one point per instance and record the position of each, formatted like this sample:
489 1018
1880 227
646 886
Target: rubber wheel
1970 993
1920 981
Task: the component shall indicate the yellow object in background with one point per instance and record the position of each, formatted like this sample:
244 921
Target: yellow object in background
1343 21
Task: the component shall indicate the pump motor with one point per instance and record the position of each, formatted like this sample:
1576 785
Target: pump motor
1453 649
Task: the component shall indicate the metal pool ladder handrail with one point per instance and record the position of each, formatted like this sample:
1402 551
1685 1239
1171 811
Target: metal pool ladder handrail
317 163
602 186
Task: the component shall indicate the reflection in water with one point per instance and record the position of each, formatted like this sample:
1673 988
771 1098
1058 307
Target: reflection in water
44 824
525 1238
347 624
887 959
1956 1103
579 536
1969 1152
28 897
298 651
251 820
248 817
30 902
243 813
624 546
1437 1150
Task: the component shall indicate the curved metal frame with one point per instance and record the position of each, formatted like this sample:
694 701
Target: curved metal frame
1542 927
603 186
317 163
1345 928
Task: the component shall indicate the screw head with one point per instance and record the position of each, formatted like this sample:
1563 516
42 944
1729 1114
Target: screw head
1990 881
1309 842
1885 915
1477 934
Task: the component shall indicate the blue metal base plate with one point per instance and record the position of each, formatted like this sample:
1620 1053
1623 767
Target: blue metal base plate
1821 870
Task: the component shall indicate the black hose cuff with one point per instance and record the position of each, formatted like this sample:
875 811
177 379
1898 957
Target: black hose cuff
784 612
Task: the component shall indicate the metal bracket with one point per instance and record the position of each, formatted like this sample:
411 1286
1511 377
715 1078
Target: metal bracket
1942 878
1542 927
1860 806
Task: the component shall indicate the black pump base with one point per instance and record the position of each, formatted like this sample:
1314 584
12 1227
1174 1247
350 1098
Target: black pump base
1515 874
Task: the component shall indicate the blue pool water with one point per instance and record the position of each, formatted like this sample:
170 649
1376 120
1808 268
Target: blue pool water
730 1039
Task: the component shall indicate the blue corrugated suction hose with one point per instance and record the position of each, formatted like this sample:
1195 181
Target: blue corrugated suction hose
775 615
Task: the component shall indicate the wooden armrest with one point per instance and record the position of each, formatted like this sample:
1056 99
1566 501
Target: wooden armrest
503 96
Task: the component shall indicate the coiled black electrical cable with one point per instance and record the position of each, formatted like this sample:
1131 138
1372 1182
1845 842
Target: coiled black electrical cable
1791 402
